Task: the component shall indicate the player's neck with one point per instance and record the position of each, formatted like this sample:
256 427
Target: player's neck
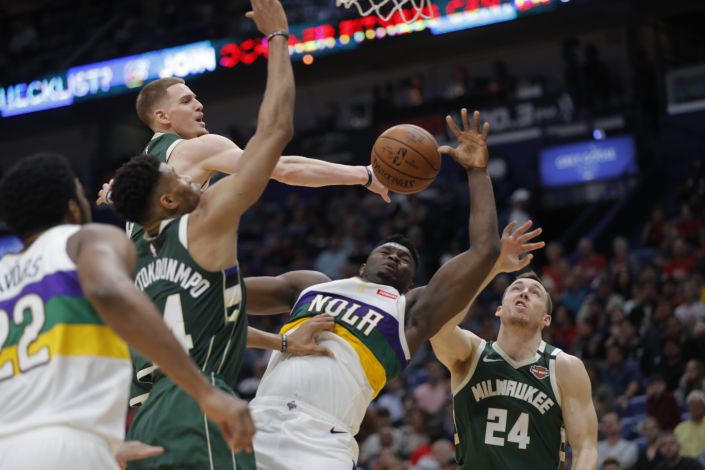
518 343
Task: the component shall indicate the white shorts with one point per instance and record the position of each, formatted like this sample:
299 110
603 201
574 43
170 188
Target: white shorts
55 448
294 436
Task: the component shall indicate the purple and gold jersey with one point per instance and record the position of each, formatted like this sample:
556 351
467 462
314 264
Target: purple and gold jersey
368 344
59 363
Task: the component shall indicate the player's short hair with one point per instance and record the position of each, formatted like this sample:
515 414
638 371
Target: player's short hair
532 275
133 187
405 242
150 95
35 193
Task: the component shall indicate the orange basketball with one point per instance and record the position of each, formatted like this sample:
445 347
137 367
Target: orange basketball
405 158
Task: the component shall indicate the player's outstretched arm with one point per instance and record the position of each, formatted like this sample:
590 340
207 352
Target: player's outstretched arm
453 286
579 414
454 346
227 200
104 259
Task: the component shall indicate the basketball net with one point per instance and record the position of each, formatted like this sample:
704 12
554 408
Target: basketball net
385 9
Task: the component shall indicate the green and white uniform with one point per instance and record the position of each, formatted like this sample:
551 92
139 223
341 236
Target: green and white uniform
206 311
508 414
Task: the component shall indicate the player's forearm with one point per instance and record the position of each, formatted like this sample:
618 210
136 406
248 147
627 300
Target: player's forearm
483 214
262 340
133 316
276 113
303 171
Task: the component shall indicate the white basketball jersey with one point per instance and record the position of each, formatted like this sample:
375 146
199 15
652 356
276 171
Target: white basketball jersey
368 344
59 363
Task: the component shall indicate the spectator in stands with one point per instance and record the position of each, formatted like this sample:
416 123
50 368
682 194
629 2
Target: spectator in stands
622 260
564 329
681 263
691 432
672 458
502 84
433 394
671 363
649 456
591 262
622 376
691 310
653 232
442 453
611 464
688 224
556 267
519 201
661 404
693 378
613 445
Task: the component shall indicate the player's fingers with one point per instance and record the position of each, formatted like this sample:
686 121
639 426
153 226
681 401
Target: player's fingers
385 195
248 431
476 121
522 228
250 14
529 235
452 126
464 118
508 228
524 262
321 351
526 247
485 130
447 150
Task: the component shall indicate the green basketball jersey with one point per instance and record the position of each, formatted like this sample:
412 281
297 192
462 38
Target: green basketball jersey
204 309
508 414
161 145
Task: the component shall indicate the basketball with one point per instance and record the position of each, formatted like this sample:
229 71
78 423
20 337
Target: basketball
405 158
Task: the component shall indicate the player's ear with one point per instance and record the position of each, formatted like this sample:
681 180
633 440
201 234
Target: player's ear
361 271
168 202
496 312
160 117
73 213
547 320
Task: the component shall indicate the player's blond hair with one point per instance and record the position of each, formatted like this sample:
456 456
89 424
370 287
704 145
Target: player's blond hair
151 94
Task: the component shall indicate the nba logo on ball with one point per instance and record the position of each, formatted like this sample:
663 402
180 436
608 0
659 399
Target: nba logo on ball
540 372
405 158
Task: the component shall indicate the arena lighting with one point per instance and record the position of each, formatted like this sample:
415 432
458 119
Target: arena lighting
124 74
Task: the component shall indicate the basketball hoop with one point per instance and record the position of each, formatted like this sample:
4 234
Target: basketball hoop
385 9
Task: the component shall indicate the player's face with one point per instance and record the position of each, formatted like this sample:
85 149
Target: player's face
390 264
524 304
184 112
179 193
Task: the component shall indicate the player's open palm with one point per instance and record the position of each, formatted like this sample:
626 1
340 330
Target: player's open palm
232 417
471 151
268 15
516 247
302 342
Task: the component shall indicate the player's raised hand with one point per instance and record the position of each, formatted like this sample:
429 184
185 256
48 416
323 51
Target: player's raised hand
471 151
232 417
377 187
516 247
269 16
302 342
104 193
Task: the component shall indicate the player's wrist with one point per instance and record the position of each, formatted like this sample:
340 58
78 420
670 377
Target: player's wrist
278 33
368 176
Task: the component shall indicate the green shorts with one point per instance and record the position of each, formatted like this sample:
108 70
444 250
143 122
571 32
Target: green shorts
172 419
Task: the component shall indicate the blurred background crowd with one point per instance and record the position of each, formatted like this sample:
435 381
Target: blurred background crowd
625 254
